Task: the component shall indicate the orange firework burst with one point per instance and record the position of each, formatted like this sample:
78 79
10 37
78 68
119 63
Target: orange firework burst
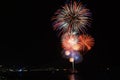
87 41
72 17
70 42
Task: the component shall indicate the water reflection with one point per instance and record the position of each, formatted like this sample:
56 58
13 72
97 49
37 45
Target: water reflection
74 77
56 76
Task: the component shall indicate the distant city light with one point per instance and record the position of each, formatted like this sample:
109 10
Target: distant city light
108 68
11 70
20 70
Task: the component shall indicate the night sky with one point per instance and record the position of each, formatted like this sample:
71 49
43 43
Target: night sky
27 36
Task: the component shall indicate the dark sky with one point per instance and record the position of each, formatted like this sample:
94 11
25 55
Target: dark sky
27 37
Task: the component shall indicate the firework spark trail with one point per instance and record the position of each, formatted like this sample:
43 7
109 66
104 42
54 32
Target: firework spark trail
72 17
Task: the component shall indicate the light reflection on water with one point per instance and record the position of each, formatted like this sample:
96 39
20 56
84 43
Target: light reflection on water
55 76
74 77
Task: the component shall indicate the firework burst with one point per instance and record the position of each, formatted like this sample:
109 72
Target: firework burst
70 42
87 41
72 17
80 43
71 22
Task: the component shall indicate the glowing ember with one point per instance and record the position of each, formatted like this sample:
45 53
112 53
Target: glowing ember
67 53
71 59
